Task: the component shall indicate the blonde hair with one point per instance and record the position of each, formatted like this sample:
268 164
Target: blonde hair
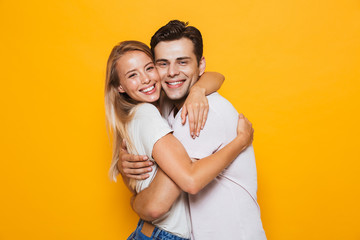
119 107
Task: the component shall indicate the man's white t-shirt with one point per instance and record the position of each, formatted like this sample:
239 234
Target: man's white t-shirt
226 208
145 129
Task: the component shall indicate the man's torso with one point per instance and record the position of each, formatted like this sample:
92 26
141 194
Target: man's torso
226 208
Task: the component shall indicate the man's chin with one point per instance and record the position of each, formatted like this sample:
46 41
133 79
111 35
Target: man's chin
173 97
175 94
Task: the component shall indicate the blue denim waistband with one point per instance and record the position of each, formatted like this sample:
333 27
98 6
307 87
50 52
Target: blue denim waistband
158 234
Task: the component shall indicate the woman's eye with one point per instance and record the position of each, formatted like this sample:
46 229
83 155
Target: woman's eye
132 75
150 68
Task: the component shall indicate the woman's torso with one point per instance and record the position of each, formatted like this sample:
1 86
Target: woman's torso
145 129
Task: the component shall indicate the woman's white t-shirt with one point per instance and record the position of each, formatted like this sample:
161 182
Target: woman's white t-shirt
145 129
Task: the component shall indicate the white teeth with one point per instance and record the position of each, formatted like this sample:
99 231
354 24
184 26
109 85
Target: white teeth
148 89
174 83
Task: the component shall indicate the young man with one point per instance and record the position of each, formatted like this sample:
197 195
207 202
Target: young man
226 208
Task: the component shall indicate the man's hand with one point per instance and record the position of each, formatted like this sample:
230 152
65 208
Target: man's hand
196 106
133 166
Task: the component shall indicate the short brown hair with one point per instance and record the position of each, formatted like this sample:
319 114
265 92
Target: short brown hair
175 30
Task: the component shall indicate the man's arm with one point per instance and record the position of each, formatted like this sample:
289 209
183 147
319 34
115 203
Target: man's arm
133 166
157 199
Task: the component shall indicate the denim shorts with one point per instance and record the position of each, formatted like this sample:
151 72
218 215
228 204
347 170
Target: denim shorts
157 234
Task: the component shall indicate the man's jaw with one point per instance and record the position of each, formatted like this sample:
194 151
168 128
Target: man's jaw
176 96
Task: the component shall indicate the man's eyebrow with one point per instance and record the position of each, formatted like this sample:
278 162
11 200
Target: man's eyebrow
161 60
183 58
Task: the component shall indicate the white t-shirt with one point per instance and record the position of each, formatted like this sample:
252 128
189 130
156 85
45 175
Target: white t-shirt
145 129
226 208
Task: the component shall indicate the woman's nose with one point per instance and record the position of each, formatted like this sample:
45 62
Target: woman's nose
145 79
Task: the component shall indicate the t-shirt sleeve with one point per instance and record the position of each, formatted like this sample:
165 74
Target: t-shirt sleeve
149 127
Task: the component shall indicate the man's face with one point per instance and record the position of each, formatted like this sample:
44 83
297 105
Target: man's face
178 67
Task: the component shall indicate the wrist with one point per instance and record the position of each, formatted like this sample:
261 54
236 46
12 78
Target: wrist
199 89
242 139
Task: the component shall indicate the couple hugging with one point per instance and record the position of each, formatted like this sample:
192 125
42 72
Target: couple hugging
192 178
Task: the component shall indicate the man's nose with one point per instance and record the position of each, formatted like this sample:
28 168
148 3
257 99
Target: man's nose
173 70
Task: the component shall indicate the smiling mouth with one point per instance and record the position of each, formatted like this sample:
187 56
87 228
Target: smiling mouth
175 84
149 90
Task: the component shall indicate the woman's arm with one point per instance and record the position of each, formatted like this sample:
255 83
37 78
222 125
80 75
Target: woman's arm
158 197
209 82
196 105
190 176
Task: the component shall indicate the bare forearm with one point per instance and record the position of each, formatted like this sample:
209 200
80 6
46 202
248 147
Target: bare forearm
205 170
192 177
209 82
126 181
157 199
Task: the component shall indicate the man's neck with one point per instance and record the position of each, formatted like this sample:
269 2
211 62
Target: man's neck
178 104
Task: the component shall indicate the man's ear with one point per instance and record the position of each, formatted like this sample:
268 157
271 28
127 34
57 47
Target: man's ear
120 89
202 65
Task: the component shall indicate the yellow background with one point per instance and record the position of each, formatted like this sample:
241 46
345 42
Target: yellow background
292 67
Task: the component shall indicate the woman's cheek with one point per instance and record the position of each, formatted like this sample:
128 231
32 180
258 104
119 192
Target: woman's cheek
155 76
134 84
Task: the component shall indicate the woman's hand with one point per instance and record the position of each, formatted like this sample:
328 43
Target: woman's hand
196 107
245 130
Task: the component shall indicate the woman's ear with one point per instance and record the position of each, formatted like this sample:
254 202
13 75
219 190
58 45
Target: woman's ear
120 89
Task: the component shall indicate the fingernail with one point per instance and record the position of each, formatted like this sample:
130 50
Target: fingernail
149 169
145 158
197 134
151 163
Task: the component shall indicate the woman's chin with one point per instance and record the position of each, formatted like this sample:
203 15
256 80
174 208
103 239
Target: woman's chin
151 99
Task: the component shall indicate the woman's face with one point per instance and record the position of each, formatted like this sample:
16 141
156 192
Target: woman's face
138 77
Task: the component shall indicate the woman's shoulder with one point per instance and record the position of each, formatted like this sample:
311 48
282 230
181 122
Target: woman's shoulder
145 109
147 119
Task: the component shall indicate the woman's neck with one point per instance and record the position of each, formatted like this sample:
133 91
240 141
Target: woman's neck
157 105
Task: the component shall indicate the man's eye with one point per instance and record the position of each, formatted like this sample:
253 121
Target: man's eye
183 62
161 64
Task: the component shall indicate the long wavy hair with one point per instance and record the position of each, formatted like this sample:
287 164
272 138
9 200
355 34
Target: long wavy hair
119 107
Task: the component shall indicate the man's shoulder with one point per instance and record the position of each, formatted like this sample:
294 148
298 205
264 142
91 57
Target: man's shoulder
220 105
219 129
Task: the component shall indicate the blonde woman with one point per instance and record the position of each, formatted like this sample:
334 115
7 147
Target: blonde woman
132 92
